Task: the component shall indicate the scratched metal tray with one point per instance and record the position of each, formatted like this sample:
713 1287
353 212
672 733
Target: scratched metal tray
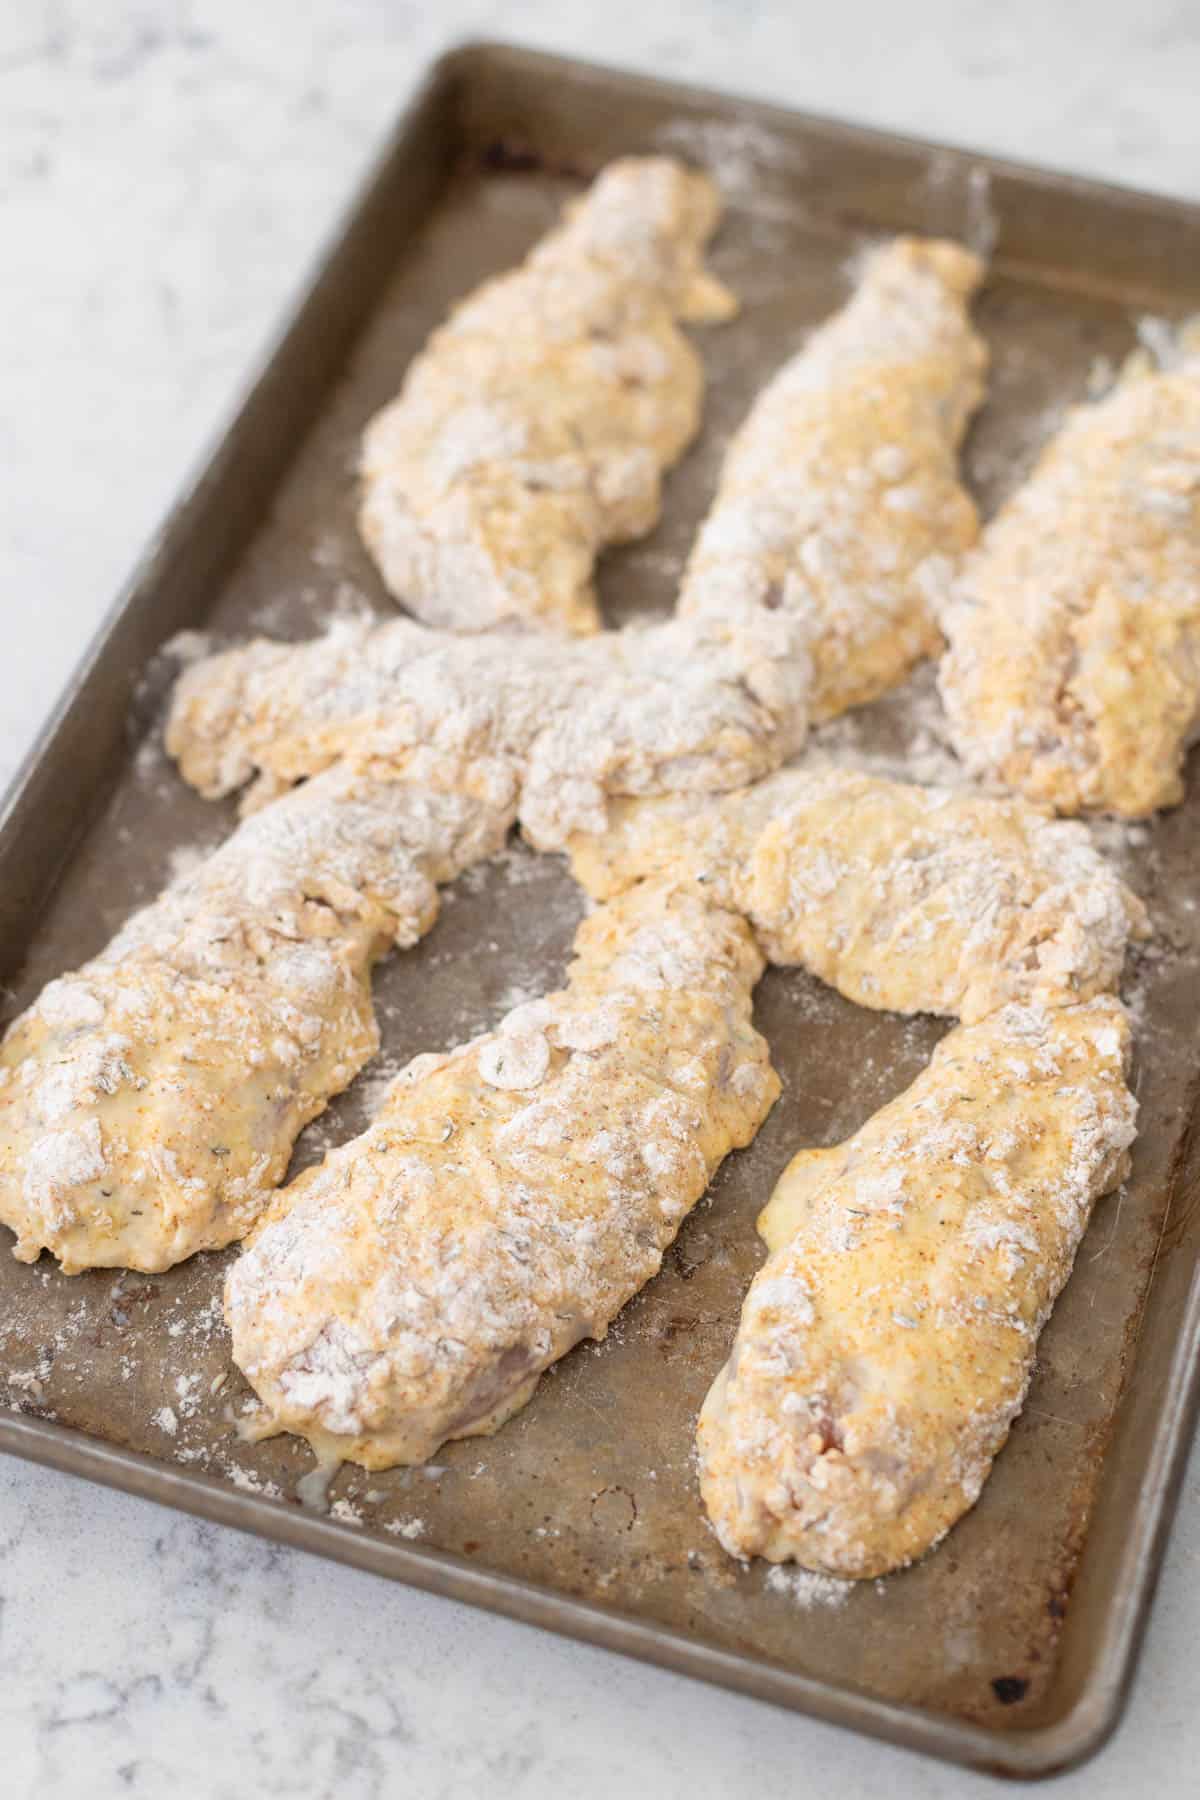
1011 1648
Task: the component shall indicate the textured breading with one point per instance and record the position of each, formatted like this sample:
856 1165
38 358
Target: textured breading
839 499
902 897
509 1197
1073 672
150 1100
886 1345
560 724
534 427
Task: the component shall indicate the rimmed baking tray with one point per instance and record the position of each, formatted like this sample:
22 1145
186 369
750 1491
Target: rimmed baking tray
1010 1649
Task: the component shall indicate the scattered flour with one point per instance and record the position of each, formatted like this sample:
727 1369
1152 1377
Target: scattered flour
901 736
248 1481
806 1589
405 1528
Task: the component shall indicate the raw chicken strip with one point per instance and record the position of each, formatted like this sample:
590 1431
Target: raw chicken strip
149 1100
1073 672
902 897
535 426
839 499
509 1197
886 1346
683 705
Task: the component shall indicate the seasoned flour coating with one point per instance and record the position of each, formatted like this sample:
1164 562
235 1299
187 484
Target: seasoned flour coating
901 897
560 724
149 1100
535 426
886 1345
1073 672
509 1197
839 499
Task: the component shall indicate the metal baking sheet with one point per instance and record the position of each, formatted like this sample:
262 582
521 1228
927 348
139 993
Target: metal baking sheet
1012 1646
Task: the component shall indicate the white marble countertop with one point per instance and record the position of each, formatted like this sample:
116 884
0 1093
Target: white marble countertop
166 171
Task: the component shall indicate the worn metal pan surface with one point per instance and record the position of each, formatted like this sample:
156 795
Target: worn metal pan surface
1012 1646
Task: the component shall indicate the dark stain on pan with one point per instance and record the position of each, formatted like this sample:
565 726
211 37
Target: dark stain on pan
514 156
